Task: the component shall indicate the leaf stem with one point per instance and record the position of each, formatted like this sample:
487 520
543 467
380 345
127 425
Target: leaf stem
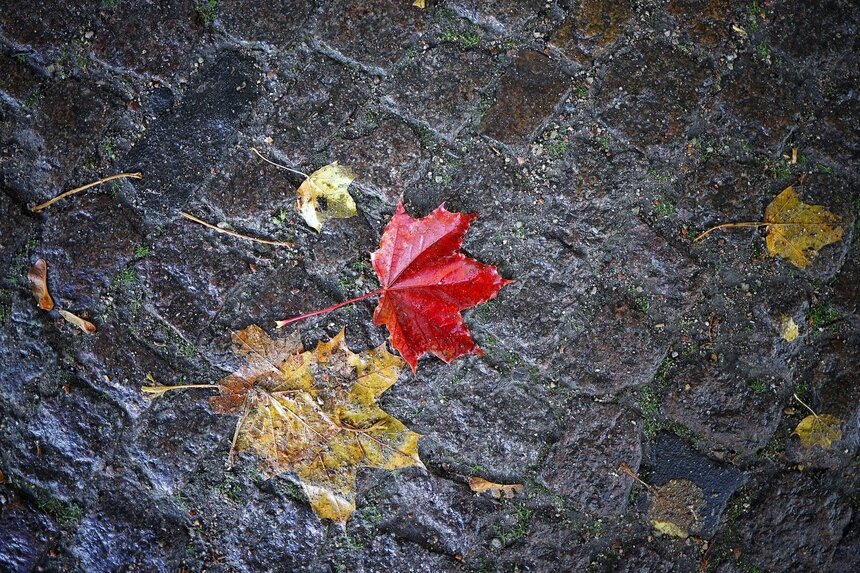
285 322
796 397
46 204
270 162
159 390
730 226
191 217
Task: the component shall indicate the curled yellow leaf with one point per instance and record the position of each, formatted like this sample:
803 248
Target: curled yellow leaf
324 195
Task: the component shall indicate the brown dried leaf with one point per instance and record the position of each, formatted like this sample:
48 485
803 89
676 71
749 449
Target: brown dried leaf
497 490
84 325
38 277
675 509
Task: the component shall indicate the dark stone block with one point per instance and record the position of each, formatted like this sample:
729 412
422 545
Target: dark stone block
316 107
528 94
707 22
442 86
179 151
26 533
796 524
280 25
387 158
88 247
46 23
583 465
651 93
149 36
375 34
591 28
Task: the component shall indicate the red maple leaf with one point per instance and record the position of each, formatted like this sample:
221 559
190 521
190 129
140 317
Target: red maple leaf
426 283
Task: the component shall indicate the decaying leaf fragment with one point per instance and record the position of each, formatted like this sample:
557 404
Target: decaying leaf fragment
324 195
84 325
797 230
497 490
788 329
38 277
819 430
675 509
315 414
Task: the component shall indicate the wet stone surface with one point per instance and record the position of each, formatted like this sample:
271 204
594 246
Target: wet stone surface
595 140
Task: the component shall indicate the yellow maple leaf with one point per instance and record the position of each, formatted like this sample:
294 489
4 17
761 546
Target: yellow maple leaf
324 195
797 230
819 430
314 414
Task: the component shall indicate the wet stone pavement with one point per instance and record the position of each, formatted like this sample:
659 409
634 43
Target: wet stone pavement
595 139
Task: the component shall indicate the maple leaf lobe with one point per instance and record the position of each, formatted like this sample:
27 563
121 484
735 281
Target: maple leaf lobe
427 282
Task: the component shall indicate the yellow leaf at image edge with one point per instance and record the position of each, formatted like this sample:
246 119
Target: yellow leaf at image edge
797 230
419 3
819 430
315 414
325 195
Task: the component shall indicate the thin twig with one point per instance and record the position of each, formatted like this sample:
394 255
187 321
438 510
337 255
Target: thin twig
270 162
46 204
234 233
730 226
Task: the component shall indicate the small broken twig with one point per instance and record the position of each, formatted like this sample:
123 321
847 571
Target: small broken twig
46 204
191 217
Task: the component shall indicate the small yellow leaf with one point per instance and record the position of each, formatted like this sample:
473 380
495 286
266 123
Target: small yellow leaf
819 430
419 3
84 325
796 230
324 195
788 328
671 529
497 490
